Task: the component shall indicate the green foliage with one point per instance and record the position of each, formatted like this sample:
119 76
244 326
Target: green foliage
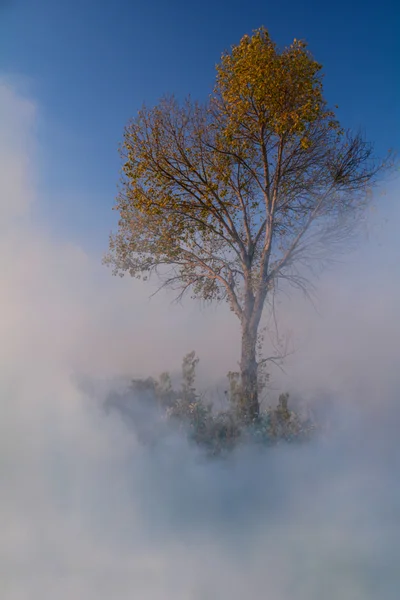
280 424
218 432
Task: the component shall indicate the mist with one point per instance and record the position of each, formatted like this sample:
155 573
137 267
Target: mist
88 512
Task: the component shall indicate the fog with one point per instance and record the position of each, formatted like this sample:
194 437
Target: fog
87 512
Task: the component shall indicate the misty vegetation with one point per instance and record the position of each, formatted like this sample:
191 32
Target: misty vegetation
147 401
229 200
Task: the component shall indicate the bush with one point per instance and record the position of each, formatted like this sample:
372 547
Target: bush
216 432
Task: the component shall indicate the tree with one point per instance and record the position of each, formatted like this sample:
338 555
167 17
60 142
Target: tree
229 197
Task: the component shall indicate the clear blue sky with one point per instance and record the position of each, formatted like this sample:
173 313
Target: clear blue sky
90 64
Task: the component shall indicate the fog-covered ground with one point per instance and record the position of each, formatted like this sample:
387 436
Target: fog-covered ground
88 513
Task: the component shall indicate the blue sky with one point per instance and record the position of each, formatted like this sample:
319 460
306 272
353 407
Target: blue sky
90 64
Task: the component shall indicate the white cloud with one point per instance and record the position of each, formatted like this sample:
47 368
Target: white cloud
86 512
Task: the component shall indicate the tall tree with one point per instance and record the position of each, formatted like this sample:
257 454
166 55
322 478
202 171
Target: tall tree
227 198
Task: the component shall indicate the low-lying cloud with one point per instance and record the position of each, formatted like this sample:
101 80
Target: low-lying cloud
87 512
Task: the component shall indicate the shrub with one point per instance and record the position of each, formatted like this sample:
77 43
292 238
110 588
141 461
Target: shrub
216 432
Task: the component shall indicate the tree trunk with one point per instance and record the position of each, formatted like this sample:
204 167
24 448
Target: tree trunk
249 408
